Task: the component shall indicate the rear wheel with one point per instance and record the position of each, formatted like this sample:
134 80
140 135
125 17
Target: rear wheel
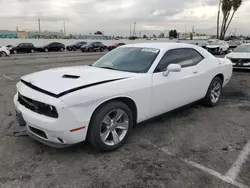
32 51
3 54
101 49
46 49
110 126
14 52
61 49
214 92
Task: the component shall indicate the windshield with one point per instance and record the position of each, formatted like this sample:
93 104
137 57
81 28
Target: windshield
242 48
129 59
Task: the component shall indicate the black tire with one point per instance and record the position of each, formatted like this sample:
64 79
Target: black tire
94 136
69 49
14 51
90 50
46 50
101 49
207 101
74 48
32 51
61 49
83 50
3 54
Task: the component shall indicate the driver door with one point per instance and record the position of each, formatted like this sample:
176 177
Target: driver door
177 88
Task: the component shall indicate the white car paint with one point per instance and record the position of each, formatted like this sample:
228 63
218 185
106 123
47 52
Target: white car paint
153 93
238 58
5 50
215 43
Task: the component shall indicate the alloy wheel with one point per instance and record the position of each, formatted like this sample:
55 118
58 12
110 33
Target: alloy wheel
215 92
114 127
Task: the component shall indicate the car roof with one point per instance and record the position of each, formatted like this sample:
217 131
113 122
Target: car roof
161 45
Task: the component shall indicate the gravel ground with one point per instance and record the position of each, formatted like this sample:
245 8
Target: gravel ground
189 147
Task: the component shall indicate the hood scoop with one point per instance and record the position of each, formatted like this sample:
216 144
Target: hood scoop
70 76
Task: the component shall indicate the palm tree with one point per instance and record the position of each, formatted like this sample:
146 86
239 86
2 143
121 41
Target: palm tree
236 6
227 6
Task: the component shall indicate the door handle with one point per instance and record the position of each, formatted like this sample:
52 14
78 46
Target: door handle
195 71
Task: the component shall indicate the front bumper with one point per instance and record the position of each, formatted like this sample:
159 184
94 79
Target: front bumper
54 132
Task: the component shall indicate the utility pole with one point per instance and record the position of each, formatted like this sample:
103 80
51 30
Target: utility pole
39 26
218 20
185 32
64 29
134 29
130 31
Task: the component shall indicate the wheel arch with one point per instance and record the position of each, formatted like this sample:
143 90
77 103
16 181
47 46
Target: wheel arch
124 99
221 76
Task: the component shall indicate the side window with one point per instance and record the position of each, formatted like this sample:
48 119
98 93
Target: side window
20 46
185 57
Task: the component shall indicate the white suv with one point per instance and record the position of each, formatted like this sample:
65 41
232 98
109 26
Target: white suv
4 51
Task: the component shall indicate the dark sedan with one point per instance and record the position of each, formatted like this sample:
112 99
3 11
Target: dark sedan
75 46
113 46
52 47
93 47
22 48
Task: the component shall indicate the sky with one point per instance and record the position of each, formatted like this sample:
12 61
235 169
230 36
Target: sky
114 17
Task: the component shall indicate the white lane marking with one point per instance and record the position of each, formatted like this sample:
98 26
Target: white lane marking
7 77
225 178
236 167
205 169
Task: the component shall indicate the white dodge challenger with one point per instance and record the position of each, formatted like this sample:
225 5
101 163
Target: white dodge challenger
103 101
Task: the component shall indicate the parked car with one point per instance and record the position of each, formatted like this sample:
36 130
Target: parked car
240 57
22 48
4 51
93 47
52 47
113 46
75 46
103 101
216 46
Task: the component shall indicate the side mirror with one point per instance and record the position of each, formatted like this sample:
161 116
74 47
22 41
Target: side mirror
172 68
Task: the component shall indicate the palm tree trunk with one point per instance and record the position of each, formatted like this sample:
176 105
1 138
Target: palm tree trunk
218 20
223 27
229 23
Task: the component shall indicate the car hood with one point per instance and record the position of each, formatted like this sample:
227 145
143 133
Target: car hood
238 55
213 46
59 81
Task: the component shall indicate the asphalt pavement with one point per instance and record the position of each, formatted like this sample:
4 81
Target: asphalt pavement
192 147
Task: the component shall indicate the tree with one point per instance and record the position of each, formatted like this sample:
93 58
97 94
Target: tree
98 33
173 34
229 7
161 35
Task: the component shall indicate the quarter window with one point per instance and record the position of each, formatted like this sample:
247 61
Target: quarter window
185 57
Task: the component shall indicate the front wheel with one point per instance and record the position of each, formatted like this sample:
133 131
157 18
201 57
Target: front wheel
61 49
110 126
46 49
214 92
32 51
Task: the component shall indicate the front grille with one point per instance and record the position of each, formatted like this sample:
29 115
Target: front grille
38 132
240 61
38 107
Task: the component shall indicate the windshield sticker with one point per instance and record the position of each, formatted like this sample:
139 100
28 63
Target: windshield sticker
150 50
